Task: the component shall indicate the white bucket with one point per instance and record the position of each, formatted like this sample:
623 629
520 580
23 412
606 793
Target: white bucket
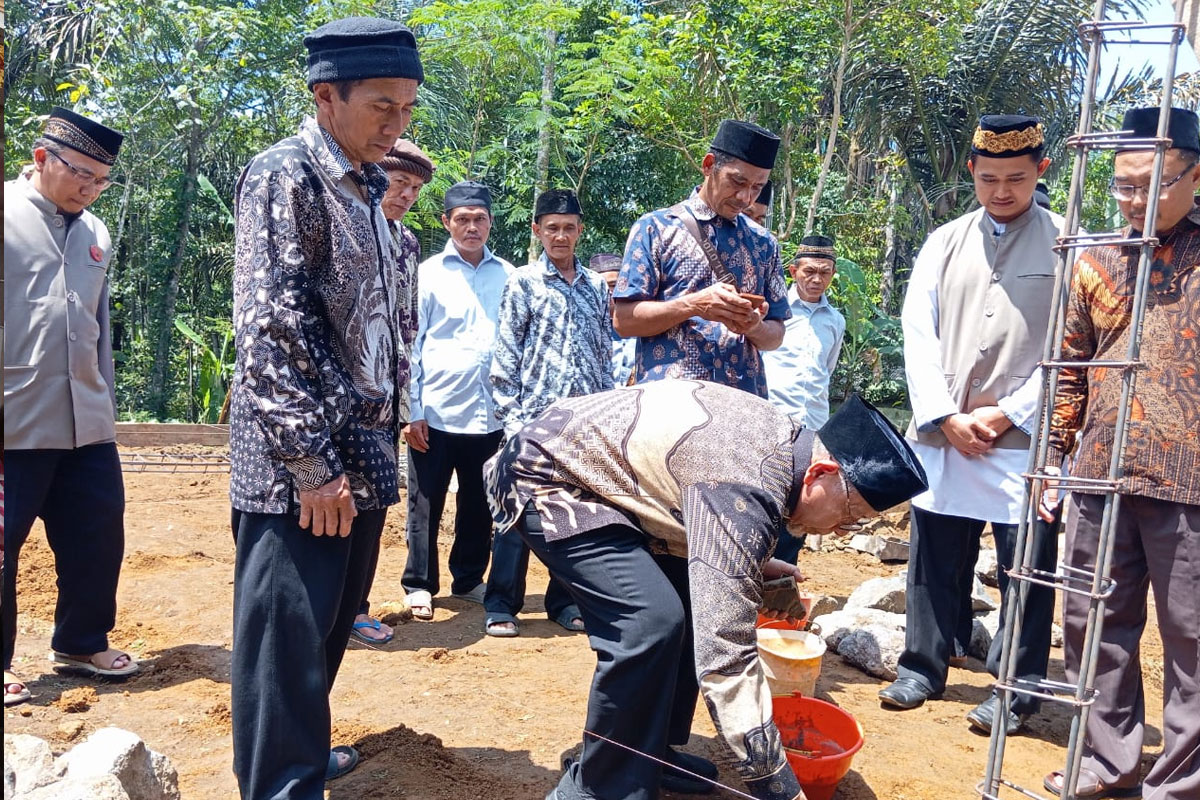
791 659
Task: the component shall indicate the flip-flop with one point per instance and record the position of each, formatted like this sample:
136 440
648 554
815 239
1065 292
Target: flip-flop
567 618
1089 787
14 698
86 665
372 624
332 770
420 603
493 621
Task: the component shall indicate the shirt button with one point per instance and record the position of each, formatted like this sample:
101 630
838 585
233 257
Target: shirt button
995 276
72 336
987 312
58 223
71 296
976 382
982 348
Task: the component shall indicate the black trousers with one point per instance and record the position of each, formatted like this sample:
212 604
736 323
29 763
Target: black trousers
80 497
941 571
294 599
506 580
638 624
428 481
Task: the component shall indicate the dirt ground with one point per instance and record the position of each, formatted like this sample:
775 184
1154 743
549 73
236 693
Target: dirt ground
443 712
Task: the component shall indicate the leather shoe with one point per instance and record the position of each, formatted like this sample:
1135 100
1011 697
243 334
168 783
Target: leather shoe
983 715
906 693
675 781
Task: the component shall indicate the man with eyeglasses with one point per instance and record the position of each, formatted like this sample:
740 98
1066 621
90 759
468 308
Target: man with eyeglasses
1157 527
60 452
975 321
599 486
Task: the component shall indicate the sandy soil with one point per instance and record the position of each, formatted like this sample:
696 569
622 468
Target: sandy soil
443 712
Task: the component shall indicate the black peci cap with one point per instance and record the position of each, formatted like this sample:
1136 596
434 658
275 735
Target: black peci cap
1007 136
361 48
468 193
748 142
1183 128
556 201
83 135
873 455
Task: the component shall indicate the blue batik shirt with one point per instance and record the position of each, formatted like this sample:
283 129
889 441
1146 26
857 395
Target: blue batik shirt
663 261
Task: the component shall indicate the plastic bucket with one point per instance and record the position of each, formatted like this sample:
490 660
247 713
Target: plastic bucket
819 740
791 659
781 624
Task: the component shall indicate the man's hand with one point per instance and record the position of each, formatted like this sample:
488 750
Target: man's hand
721 303
993 417
970 436
754 322
778 568
329 509
1051 497
416 435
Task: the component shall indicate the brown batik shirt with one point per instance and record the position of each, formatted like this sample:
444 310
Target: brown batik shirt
1162 457
704 470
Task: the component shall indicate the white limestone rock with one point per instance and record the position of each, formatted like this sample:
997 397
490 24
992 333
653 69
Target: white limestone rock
31 762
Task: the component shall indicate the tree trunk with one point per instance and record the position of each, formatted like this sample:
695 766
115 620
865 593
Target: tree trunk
545 140
887 272
170 293
835 119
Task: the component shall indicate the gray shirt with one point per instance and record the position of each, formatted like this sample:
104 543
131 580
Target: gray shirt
58 364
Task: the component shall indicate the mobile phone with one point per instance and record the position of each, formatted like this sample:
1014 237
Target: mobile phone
782 595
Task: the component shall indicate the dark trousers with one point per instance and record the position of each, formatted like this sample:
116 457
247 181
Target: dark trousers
789 546
428 481
506 580
294 599
941 570
81 499
637 624
1156 548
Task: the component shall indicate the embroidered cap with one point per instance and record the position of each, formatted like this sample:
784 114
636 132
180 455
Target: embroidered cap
83 135
1183 128
1007 136
755 145
361 48
605 262
407 157
816 247
468 193
873 455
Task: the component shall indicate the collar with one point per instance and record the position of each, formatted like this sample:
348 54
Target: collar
551 271
988 225
700 208
794 293
802 447
24 183
451 251
333 160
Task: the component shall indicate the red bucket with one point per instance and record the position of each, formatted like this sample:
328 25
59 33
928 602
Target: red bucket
819 740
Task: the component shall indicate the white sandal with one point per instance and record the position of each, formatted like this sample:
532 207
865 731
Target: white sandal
420 603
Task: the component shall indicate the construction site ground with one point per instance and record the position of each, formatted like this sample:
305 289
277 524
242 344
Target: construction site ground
444 712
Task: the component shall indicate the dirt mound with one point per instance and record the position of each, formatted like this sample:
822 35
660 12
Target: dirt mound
79 699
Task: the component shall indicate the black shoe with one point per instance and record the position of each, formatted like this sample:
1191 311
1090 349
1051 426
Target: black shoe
906 693
982 716
675 781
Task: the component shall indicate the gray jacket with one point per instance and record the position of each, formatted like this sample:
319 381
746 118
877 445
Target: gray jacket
58 363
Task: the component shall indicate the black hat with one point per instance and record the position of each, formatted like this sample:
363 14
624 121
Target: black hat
360 48
605 262
1007 136
468 193
873 456
764 197
1041 195
1183 128
816 247
556 201
407 157
82 135
748 142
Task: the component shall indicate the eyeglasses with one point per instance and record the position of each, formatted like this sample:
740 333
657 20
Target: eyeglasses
1127 191
84 176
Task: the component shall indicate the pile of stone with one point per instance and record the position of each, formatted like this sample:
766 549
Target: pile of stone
111 764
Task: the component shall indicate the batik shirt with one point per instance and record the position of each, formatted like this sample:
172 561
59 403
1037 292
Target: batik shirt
704 471
1162 453
315 323
408 258
663 261
553 340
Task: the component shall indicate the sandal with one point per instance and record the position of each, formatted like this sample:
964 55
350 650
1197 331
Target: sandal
89 665
1089 787
370 623
334 769
19 696
420 603
497 624
571 619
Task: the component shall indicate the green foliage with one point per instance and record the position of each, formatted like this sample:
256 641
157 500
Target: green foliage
872 351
